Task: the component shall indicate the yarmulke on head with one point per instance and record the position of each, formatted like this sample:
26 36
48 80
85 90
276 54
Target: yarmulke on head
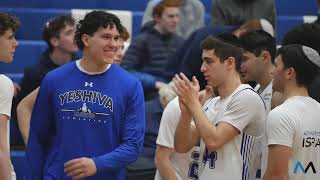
312 55
302 59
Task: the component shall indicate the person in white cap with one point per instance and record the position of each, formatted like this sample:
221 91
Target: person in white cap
293 128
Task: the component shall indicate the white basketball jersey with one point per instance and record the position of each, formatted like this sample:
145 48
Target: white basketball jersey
296 124
237 159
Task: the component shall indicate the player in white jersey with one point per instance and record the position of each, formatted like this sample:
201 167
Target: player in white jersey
8 44
293 128
179 162
170 164
259 54
257 65
229 126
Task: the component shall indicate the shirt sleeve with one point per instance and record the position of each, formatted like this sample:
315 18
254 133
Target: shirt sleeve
6 95
147 80
132 134
245 108
169 123
42 129
280 128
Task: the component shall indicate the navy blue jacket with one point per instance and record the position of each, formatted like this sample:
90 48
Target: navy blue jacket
148 54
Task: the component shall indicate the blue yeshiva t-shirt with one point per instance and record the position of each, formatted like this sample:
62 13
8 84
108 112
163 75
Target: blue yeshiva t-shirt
77 115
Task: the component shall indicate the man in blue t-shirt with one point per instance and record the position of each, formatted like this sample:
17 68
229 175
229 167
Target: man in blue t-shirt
88 119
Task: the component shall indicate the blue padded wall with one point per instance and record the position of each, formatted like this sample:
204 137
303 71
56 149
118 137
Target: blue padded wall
296 7
27 53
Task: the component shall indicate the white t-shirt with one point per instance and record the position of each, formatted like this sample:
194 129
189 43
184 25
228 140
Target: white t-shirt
237 159
185 164
296 124
266 95
6 95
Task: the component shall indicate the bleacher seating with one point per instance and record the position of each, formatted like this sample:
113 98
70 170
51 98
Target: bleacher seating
296 7
132 5
291 13
32 20
27 53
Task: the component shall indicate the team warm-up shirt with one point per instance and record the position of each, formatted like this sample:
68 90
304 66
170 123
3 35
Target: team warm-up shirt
6 95
185 164
296 124
237 160
266 95
76 114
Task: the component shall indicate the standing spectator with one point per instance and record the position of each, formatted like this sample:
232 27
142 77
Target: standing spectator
25 106
86 121
8 44
191 16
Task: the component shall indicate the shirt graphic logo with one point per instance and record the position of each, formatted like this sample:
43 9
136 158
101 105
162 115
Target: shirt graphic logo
84 112
86 84
84 108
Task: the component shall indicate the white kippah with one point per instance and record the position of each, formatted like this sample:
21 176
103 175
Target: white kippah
312 55
267 26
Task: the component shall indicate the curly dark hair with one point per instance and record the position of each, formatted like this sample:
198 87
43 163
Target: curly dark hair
8 22
92 22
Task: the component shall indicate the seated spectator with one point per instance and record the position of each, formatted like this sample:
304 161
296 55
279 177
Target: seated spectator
148 53
59 36
124 36
191 16
237 12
